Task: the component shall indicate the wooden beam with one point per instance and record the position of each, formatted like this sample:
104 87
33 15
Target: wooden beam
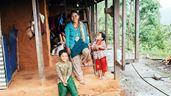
65 5
96 18
39 49
89 23
114 40
106 25
88 18
123 32
115 32
117 28
92 22
137 29
47 30
0 27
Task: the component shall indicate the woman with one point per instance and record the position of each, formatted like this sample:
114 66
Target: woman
77 44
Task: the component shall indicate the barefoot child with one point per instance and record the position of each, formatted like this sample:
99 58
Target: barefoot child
98 48
64 71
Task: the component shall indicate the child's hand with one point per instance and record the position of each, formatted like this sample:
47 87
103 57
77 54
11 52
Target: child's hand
65 81
97 47
65 84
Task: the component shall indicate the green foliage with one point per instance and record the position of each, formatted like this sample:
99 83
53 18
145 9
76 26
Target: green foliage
101 20
149 24
154 37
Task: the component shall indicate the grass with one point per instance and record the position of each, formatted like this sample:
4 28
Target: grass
156 53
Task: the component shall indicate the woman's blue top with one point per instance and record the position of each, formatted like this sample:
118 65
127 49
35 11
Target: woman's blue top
71 33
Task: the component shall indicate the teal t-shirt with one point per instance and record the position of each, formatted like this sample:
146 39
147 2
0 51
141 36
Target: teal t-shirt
71 33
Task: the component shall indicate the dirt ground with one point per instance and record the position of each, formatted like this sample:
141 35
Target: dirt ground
133 85
129 83
27 83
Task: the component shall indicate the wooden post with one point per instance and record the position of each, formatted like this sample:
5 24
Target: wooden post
88 19
65 4
0 28
92 22
137 29
96 18
114 39
117 28
106 25
38 37
115 32
47 31
129 25
123 32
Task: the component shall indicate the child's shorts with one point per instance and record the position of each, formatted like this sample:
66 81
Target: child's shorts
101 64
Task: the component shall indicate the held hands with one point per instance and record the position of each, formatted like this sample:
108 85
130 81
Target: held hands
68 51
97 47
64 82
89 46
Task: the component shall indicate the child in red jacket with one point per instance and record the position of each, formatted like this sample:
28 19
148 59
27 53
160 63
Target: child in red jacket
98 48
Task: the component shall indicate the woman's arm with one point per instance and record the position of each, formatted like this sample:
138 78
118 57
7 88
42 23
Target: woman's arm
67 33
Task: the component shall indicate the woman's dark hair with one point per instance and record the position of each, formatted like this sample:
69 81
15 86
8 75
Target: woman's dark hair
73 11
61 52
103 35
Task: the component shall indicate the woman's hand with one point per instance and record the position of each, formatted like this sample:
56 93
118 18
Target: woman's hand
89 46
68 50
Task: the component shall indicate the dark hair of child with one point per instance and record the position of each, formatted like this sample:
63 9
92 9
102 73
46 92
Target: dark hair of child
61 52
103 35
